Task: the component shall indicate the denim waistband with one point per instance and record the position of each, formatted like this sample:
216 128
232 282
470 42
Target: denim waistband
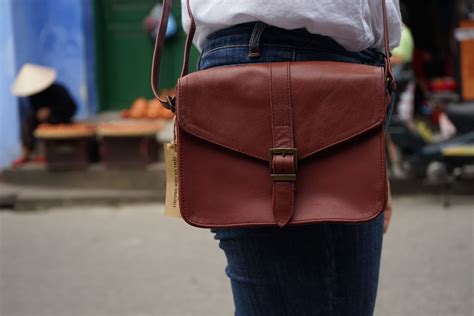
258 34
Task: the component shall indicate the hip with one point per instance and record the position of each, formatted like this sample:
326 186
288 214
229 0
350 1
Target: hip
258 42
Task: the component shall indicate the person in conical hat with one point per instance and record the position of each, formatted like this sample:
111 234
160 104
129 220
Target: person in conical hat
49 101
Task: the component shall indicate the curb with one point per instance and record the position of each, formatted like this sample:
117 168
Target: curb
19 198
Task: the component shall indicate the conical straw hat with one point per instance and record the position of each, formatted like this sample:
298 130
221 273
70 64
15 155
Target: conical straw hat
33 79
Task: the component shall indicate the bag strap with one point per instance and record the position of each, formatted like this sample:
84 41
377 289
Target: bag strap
391 83
169 101
283 157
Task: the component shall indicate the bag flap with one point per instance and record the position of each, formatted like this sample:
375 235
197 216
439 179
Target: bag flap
331 101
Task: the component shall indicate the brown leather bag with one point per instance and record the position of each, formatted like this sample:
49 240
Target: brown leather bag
279 143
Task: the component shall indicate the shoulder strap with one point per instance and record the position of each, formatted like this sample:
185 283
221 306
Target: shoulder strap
168 102
391 84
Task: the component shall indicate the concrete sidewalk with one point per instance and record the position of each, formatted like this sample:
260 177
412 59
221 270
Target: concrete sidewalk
30 198
131 261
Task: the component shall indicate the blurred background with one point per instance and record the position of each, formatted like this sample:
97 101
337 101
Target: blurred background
82 190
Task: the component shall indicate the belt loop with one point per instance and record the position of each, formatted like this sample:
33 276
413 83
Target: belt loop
254 49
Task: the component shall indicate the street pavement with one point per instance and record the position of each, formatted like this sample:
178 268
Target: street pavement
132 261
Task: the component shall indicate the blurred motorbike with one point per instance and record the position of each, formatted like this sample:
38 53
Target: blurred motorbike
417 137
429 160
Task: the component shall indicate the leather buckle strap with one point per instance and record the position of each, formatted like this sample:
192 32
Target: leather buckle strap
283 163
283 156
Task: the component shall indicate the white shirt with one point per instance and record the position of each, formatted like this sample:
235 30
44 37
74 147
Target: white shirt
356 25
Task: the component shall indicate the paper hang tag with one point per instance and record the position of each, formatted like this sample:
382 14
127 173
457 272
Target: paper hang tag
172 189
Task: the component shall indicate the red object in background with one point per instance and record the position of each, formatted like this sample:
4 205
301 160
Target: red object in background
446 84
20 162
23 160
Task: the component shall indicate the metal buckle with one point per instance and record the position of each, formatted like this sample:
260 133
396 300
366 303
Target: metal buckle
283 152
284 177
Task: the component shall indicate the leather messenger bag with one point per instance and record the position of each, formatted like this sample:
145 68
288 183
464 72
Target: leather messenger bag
281 143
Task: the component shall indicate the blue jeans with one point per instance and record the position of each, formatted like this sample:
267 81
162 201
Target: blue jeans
321 269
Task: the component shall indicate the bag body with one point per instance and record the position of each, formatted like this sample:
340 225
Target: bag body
279 143
225 136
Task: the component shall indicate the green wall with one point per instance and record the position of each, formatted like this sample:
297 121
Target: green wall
124 52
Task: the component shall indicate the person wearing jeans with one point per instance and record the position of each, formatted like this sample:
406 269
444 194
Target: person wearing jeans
319 269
